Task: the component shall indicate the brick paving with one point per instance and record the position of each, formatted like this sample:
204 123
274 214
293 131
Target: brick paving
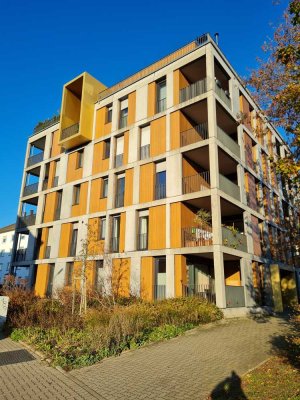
187 367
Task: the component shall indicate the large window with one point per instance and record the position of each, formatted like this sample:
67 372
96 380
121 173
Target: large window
69 273
115 238
104 188
161 95
76 194
79 162
73 246
145 142
58 204
120 190
119 151
109 109
160 181
106 150
102 228
123 113
142 240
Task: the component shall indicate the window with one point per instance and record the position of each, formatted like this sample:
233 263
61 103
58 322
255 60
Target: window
160 181
102 228
106 150
4 239
109 113
123 113
69 273
79 162
98 267
76 194
50 280
145 142
161 95
58 204
104 188
115 233
74 240
143 230
120 191
119 151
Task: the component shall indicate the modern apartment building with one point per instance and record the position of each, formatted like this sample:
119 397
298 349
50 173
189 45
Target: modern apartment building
7 234
171 168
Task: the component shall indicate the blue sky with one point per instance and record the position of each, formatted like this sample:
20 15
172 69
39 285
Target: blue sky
46 43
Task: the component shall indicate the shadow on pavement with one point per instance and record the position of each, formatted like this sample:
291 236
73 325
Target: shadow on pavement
229 389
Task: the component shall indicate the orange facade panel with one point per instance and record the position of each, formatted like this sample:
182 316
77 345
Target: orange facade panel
95 245
65 239
151 99
126 148
73 171
147 278
102 127
131 108
43 243
158 136
179 82
175 130
42 277
157 227
50 207
147 177
96 202
55 148
121 277
80 209
180 272
122 232
256 236
128 196
100 164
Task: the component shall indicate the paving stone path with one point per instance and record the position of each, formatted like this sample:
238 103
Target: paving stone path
187 367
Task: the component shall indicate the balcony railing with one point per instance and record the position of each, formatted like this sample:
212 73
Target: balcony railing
159 292
201 291
70 131
20 255
195 183
235 240
145 152
36 158
115 242
161 105
223 94
118 160
235 296
194 135
123 121
160 191
47 251
27 220
30 189
228 142
197 236
229 187
119 200
193 90
142 241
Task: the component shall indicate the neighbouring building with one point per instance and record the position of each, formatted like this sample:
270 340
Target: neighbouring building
7 234
146 162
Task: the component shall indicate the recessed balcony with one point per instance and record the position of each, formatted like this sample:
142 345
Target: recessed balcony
197 236
195 183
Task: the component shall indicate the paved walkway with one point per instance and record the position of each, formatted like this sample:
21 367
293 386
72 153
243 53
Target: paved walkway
188 367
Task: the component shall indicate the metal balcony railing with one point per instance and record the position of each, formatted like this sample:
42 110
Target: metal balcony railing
228 142
30 189
142 241
123 121
161 105
235 296
233 239
118 160
145 152
223 94
70 131
115 243
202 291
119 200
159 292
229 187
47 251
160 191
36 158
20 255
194 135
193 90
27 220
195 183
197 236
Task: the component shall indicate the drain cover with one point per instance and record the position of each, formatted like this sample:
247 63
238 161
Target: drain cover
15 357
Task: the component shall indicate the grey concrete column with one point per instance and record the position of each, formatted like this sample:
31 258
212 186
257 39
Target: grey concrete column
219 279
216 218
170 274
246 275
210 67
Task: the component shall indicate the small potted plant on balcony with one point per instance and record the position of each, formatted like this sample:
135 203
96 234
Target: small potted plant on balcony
202 232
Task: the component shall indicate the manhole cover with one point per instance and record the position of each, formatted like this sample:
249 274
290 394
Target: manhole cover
14 357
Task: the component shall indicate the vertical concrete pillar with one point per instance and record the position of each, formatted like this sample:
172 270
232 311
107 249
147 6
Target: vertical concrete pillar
219 278
210 67
170 275
216 218
247 282
276 287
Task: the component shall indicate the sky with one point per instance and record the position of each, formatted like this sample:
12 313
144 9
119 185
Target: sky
44 44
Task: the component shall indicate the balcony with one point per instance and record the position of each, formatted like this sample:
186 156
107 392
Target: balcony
161 105
69 131
119 200
223 94
145 152
160 191
195 183
205 292
30 189
159 292
235 296
36 158
228 142
195 237
142 241
118 160
193 90
234 239
194 135
20 255
47 252
27 220
229 187
123 121
114 245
